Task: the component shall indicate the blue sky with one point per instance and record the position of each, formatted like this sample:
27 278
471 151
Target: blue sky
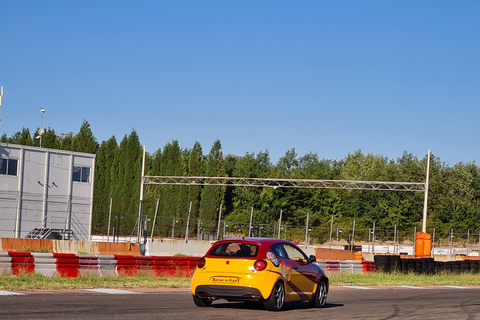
328 77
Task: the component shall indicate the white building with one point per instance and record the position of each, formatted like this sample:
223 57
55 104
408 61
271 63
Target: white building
45 193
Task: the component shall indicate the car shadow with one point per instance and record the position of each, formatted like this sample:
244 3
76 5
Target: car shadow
259 306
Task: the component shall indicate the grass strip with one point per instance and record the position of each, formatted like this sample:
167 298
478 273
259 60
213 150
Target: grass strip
40 282
401 279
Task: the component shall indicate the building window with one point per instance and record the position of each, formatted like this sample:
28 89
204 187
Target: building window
81 174
8 166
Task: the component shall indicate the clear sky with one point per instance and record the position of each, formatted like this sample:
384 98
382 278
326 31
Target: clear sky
328 77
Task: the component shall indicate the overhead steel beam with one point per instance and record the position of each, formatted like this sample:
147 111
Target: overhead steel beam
285 183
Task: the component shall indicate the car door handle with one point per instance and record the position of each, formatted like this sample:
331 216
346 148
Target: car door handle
295 267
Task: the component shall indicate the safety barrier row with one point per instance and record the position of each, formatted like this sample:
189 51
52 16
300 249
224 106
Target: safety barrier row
73 265
348 266
393 263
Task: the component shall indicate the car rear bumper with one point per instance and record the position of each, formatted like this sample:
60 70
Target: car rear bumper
228 292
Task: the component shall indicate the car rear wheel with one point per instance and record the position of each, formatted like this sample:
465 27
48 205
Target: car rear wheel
320 298
202 302
276 299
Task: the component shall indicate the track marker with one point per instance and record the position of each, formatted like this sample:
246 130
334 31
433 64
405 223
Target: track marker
10 293
456 287
410 287
111 291
359 287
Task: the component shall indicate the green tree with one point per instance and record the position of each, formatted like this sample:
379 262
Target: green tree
212 197
84 140
195 165
104 163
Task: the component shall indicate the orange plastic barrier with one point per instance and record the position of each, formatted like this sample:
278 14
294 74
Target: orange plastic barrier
423 245
369 267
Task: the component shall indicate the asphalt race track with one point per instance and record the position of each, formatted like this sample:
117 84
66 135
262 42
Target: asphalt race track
343 303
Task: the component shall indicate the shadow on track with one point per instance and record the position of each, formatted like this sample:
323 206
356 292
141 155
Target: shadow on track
259 305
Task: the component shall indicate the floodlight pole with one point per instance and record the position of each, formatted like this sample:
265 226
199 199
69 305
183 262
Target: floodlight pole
41 131
140 204
425 202
1 98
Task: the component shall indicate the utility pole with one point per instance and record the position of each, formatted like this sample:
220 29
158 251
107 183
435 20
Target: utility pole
140 204
1 98
425 203
41 132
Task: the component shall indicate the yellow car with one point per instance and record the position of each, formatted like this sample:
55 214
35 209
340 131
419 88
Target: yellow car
272 271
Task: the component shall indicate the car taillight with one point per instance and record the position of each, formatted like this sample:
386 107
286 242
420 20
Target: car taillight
201 263
260 265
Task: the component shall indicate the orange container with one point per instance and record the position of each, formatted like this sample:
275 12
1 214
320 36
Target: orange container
423 245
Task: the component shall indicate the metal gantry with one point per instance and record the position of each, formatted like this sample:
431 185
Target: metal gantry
285 183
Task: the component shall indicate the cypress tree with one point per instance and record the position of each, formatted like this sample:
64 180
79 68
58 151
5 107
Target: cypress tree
212 197
195 164
132 177
84 140
105 160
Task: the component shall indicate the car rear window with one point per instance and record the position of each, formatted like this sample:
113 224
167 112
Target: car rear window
235 249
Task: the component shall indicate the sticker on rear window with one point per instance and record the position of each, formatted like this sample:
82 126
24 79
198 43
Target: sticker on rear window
271 257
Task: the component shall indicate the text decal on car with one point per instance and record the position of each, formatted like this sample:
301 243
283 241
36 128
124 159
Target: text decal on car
225 280
271 257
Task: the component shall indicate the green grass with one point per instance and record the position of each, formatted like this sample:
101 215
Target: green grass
28 249
400 279
40 282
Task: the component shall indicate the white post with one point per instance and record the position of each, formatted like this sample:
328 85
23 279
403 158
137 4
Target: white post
280 224
250 226
425 202
353 236
219 219
373 238
306 230
155 219
188 222
109 220
331 231
140 204
395 240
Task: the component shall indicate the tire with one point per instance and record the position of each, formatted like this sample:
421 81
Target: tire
277 298
320 298
201 302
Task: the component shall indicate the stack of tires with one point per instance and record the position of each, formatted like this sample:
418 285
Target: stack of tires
396 264
457 267
388 263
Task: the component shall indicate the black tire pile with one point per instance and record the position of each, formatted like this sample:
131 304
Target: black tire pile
424 266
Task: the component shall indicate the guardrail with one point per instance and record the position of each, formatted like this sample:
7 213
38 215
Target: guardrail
74 265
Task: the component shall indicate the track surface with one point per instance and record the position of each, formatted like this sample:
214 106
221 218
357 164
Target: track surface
343 303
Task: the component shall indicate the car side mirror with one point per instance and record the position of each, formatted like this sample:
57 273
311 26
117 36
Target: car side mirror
312 258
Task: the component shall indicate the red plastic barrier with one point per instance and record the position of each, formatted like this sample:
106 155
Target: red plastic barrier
67 265
369 266
145 265
22 263
126 265
174 266
88 265
333 266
